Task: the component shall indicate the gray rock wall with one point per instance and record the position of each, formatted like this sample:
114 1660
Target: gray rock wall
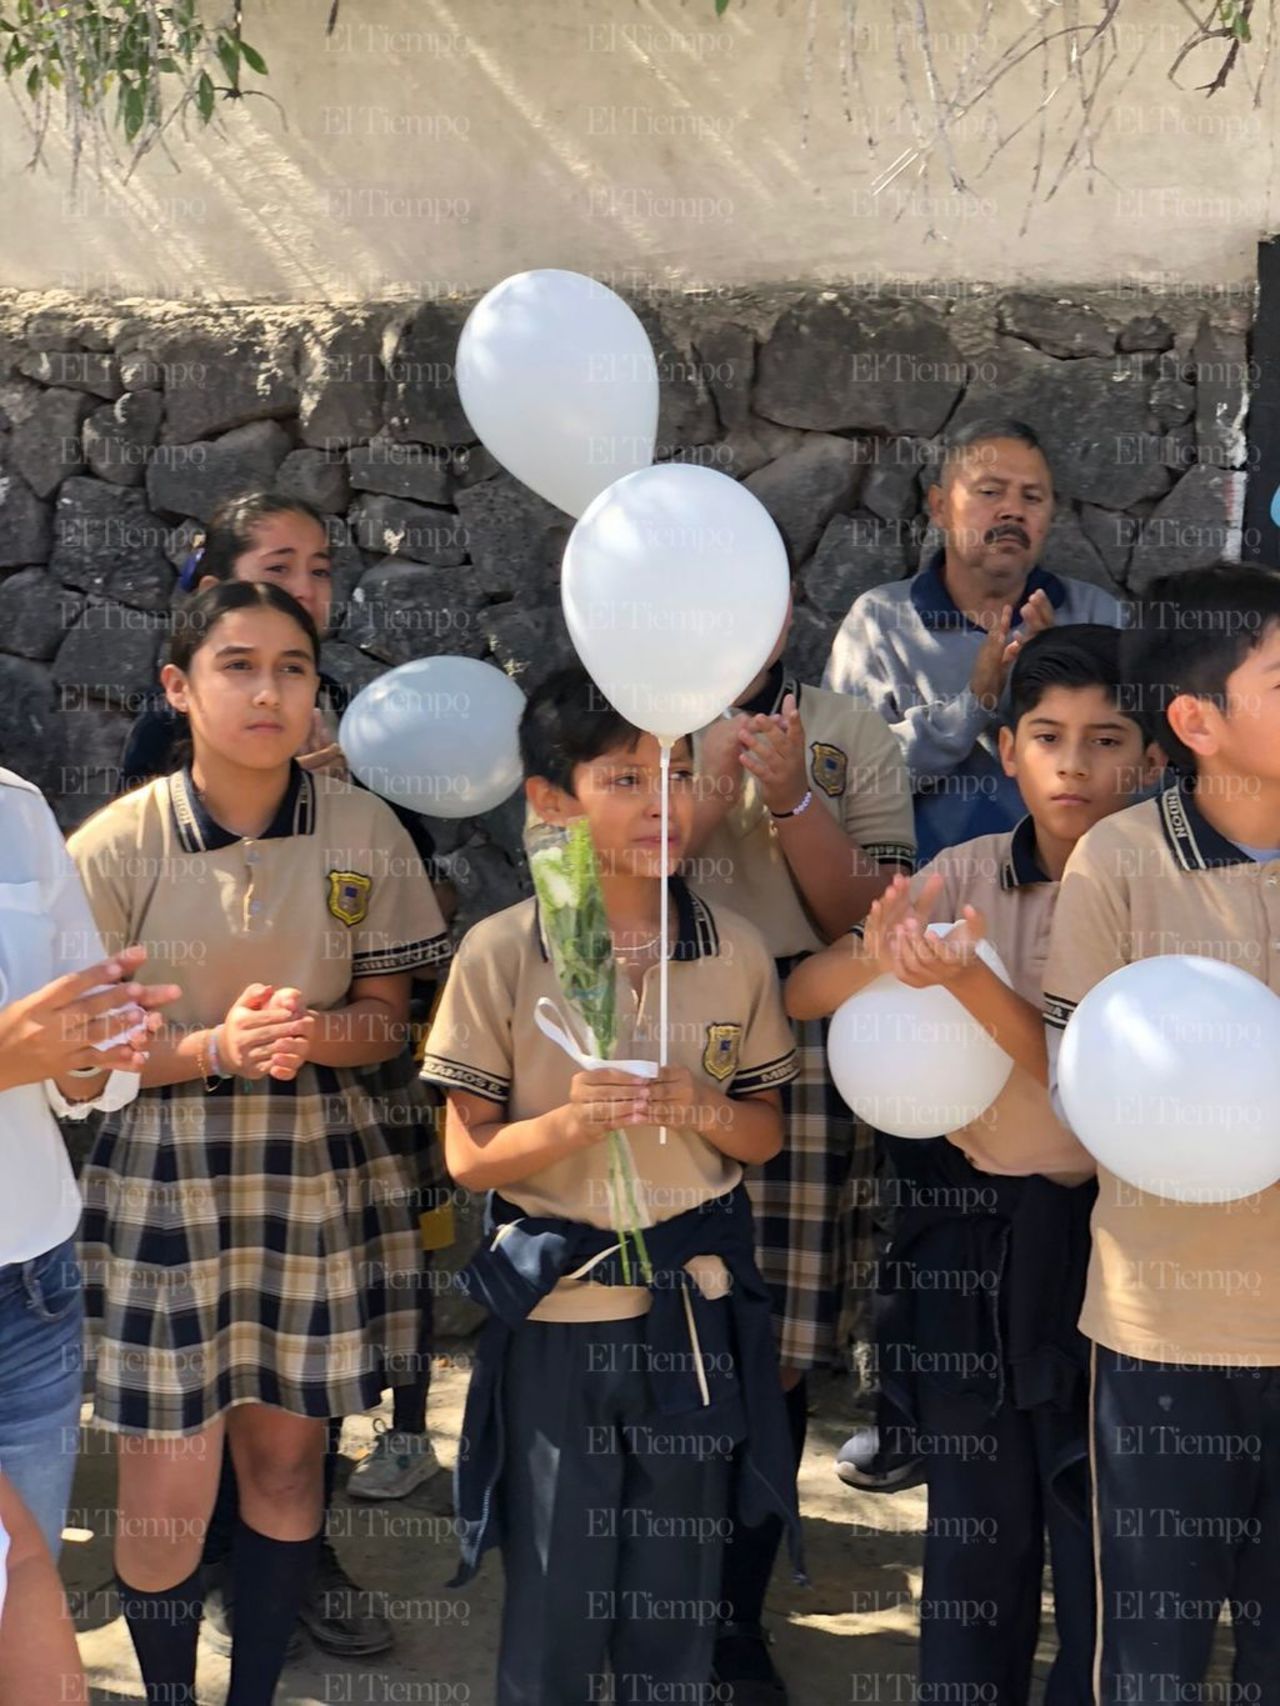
121 428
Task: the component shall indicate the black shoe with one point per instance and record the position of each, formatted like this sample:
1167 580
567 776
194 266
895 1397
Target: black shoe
340 1617
216 1627
742 1668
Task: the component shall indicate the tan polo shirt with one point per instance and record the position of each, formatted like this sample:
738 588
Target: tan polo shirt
332 890
1168 1281
857 774
726 1024
1000 875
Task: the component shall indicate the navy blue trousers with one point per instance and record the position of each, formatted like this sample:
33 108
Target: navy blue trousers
612 1531
1187 1467
992 1504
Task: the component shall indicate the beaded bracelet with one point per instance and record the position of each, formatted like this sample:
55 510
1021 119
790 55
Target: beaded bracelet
805 802
207 1060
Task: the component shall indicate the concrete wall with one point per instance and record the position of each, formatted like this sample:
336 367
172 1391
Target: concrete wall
436 145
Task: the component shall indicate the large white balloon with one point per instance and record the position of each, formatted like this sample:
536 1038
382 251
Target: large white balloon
913 1062
438 735
675 587
558 379
1170 1077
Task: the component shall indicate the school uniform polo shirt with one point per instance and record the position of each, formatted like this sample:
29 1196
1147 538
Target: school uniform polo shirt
726 1024
856 773
333 889
1001 876
1176 1282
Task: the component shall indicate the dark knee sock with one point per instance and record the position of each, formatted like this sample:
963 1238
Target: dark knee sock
409 1407
164 1628
797 1402
226 1508
750 1554
409 1398
271 1579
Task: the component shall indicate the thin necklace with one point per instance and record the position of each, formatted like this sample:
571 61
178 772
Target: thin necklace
637 947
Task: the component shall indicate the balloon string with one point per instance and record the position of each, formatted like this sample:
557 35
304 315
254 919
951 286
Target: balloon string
665 745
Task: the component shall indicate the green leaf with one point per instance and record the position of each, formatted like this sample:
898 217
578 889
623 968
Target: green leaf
134 111
33 81
204 97
722 6
253 59
230 60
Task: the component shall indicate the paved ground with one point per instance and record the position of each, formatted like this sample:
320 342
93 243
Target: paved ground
848 1638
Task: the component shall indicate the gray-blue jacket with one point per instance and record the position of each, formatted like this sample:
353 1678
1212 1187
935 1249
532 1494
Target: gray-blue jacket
909 652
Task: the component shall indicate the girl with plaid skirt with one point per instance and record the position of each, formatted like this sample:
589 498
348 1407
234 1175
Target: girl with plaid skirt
281 540
249 1243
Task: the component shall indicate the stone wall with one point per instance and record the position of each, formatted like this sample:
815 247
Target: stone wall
121 427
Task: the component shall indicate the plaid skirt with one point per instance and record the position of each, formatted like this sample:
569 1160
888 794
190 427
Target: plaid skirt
254 1244
812 1206
411 1113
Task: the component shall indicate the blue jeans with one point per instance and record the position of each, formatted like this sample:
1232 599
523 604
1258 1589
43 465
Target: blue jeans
41 1364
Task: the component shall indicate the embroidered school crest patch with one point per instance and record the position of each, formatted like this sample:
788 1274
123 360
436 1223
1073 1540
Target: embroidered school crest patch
349 896
720 1057
830 768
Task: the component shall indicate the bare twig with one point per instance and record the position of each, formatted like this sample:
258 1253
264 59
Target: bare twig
940 107
810 31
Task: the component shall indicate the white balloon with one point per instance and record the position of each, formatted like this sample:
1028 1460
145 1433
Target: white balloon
1170 1076
439 735
914 1062
675 586
558 379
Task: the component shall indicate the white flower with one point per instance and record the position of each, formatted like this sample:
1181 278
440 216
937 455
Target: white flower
552 881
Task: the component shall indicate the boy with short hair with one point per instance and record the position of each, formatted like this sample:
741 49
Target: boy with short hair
602 1415
982 1370
1185 1420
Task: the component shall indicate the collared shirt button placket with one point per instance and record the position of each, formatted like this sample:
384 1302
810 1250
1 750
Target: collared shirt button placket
252 905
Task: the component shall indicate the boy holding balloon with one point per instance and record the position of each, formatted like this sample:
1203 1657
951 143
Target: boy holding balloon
1182 1303
606 1402
982 1369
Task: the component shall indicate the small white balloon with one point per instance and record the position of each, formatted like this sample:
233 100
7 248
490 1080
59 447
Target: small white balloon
914 1062
558 379
675 586
439 735
1169 1073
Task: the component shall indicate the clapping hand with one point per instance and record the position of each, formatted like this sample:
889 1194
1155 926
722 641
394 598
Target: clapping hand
60 1027
773 751
266 1033
924 961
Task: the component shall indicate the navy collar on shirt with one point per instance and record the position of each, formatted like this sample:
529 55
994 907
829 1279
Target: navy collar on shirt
768 700
1022 866
199 833
695 935
936 608
1192 839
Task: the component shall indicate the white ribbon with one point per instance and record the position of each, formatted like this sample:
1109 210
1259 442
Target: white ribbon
558 1028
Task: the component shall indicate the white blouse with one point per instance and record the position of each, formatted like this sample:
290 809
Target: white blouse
46 930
